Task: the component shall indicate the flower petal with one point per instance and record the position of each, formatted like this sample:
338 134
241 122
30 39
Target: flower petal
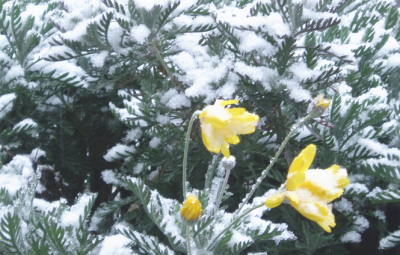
234 139
221 126
275 200
191 208
243 122
211 142
340 174
227 102
225 150
299 166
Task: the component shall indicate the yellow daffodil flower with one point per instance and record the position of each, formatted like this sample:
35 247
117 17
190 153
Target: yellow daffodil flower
310 191
191 208
221 126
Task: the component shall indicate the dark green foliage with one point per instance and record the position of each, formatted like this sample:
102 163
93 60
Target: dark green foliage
116 95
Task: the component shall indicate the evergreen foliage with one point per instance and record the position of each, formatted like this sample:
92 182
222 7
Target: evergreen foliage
96 97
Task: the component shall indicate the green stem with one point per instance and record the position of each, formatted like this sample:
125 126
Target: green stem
233 222
274 160
185 154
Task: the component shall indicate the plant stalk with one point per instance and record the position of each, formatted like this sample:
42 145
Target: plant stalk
185 154
265 172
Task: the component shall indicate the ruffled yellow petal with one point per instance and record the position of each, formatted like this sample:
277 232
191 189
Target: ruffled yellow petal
243 122
321 193
225 150
227 102
309 191
221 126
234 139
211 142
299 165
275 200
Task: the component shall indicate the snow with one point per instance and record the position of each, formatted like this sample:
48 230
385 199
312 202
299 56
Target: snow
46 206
26 123
16 71
60 68
358 188
202 74
256 73
154 142
109 177
168 221
99 59
133 135
73 215
175 100
379 194
117 152
140 33
236 17
250 41
138 168
343 205
238 238
296 92
150 4
390 240
36 154
115 244
17 174
228 163
311 14
6 103
163 119
380 214
351 237
78 32
114 35
326 180
361 223
302 72
393 60
228 89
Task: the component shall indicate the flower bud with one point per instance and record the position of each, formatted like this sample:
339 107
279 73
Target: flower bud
191 208
321 102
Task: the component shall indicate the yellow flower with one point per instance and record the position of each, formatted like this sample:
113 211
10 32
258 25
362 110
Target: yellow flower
191 208
321 102
310 191
221 126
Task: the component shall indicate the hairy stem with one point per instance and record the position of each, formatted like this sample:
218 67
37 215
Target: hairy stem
185 154
188 239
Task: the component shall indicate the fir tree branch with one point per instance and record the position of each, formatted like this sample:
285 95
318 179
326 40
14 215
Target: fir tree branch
233 222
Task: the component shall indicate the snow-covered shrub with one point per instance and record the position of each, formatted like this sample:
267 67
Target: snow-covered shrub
108 86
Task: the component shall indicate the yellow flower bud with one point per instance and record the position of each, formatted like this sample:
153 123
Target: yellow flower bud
191 208
321 102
